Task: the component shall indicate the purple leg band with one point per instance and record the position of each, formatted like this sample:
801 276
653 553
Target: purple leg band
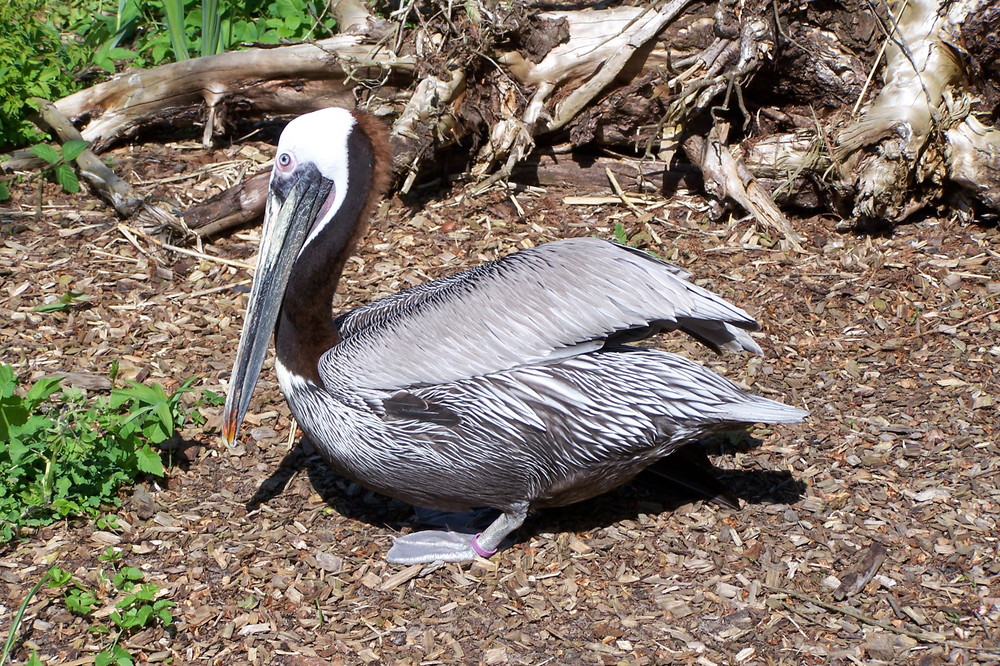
482 552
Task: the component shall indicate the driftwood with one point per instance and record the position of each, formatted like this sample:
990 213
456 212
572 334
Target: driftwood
238 205
548 169
922 133
244 202
729 178
206 91
865 108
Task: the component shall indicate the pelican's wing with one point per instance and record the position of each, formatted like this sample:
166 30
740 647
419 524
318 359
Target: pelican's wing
550 302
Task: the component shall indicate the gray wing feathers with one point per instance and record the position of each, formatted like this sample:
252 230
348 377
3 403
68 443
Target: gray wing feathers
624 401
535 306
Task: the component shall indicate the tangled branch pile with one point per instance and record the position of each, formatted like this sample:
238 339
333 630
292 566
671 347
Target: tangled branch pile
869 110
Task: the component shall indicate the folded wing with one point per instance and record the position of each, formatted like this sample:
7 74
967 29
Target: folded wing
539 305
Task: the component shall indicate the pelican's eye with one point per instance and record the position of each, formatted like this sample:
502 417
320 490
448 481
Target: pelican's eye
285 162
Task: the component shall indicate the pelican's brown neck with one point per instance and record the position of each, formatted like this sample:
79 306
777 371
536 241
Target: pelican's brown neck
305 328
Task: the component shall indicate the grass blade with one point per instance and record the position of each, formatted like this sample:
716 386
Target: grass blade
16 624
174 12
211 27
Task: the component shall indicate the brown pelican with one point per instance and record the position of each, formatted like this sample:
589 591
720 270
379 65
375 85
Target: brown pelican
508 385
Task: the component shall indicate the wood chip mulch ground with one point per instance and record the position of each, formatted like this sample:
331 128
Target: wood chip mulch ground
868 533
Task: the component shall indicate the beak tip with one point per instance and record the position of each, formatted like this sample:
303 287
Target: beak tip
230 425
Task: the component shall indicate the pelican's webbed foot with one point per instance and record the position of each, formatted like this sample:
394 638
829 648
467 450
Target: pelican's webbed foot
437 545
433 546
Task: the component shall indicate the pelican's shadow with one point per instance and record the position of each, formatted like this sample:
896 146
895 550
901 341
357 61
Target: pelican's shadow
647 493
339 493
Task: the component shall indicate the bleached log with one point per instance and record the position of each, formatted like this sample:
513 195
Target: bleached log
883 150
259 82
727 178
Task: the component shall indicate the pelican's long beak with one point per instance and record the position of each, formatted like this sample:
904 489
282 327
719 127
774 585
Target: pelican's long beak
293 204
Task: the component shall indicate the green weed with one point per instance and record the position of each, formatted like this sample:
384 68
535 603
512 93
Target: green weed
65 302
58 162
620 234
214 26
139 605
63 454
35 61
639 240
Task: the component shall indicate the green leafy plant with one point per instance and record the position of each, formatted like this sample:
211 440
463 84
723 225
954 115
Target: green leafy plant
79 600
66 301
151 32
140 605
620 234
58 162
108 523
214 26
140 608
639 240
35 61
63 454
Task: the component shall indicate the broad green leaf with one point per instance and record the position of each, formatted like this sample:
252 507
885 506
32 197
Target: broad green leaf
66 177
65 507
46 152
149 461
59 577
155 431
41 390
166 418
119 53
213 398
122 657
146 395
33 425
105 63
73 148
143 615
8 382
13 410
17 450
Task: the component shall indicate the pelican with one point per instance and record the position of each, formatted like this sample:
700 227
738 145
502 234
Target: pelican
510 385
